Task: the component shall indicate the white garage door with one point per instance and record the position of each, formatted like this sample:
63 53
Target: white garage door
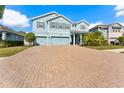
60 40
41 40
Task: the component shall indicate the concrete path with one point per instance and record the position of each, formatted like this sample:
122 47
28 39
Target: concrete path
115 50
63 66
1 58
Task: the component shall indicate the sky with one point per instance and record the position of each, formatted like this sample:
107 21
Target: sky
19 17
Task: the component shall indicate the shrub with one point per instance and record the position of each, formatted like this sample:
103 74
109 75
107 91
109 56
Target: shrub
94 39
121 40
5 43
2 44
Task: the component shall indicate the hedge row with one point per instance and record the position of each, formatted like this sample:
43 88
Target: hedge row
4 43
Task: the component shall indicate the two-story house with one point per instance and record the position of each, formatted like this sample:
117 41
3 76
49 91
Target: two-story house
55 29
111 32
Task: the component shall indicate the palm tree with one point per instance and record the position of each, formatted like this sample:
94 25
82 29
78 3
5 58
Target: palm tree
1 10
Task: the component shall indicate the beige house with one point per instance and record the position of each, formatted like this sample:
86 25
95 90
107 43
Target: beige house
111 32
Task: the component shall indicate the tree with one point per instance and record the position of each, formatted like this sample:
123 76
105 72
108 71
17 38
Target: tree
94 39
30 37
121 40
1 10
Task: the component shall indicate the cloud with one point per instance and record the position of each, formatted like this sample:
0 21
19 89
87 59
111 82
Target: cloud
15 19
94 24
119 10
120 13
121 23
119 7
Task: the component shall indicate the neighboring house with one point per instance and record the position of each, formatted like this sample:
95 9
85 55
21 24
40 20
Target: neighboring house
111 32
9 34
55 29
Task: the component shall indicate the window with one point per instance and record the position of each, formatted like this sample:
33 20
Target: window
52 24
59 25
40 24
116 29
68 26
82 27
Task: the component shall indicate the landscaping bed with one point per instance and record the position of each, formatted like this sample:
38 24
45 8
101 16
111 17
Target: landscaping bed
6 43
8 51
104 47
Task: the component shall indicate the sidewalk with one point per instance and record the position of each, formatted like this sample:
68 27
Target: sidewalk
1 58
115 50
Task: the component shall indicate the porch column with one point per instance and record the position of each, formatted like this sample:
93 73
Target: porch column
73 39
47 33
80 39
3 35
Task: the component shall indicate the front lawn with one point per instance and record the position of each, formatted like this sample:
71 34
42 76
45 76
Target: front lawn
5 52
104 47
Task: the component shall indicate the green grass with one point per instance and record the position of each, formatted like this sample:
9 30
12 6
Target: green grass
105 47
5 52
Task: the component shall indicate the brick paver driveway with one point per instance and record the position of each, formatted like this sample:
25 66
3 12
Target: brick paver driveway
62 66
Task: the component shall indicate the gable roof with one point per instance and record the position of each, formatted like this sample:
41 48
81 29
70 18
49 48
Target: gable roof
100 26
82 21
116 23
6 29
44 15
105 26
59 17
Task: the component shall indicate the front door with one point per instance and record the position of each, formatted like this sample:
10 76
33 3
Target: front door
77 39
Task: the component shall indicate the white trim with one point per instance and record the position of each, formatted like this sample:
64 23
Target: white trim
60 17
67 18
82 21
45 15
116 23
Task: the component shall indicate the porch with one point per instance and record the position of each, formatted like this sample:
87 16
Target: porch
76 38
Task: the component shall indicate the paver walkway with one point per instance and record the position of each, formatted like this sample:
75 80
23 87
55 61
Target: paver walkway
62 66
